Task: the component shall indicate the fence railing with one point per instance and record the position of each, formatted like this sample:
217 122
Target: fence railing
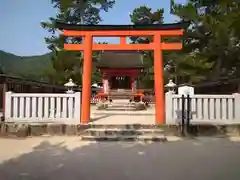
204 108
64 107
42 107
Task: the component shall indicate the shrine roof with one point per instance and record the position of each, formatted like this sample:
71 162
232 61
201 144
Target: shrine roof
81 27
126 60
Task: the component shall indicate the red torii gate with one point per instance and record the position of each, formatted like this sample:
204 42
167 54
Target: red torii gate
87 32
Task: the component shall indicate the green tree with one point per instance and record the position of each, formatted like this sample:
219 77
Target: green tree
141 16
67 64
178 65
212 34
102 4
1 70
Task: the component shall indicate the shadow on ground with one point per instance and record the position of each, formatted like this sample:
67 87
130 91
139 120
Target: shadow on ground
100 117
207 159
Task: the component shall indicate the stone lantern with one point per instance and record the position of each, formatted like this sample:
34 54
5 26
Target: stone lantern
171 86
70 84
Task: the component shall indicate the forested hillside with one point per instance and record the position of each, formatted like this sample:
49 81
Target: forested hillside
33 67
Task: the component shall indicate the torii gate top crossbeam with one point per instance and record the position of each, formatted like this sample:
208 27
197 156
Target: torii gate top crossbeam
174 29
146 27
73 30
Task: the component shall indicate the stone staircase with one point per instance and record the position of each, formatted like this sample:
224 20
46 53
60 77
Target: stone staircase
121 94
127 132
121 104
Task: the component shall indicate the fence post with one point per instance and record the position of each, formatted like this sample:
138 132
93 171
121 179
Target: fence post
8 105
169 108
183 115
77 106
188 114
237 106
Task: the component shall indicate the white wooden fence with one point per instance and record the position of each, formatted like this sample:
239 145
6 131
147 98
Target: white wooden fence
29 107
204 108
42 107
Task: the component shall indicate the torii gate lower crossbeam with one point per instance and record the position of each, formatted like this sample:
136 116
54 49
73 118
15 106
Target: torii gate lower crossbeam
122 31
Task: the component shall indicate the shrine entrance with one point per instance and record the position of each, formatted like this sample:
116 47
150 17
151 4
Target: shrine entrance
156 31
119 70
120 82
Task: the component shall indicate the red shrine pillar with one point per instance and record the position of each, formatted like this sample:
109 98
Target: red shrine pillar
105 83
132 83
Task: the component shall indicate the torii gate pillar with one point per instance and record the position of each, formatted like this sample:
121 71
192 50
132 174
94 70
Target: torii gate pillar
86 80
158 82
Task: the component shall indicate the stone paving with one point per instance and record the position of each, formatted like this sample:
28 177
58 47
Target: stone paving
61 158
122 113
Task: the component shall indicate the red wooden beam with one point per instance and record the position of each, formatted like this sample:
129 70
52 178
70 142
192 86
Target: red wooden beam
126 47
171 46
110 47
97 33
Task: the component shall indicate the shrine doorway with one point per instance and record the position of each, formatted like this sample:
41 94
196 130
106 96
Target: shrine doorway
120 82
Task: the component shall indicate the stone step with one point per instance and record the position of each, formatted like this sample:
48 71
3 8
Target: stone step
116 108
120 101
117 97
124 106
159 138
121 105
120 132
124 126
119 108
121 92
124 102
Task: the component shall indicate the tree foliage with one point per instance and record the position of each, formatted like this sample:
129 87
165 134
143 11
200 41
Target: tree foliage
95 5
212 34
140 16
211 43
67 64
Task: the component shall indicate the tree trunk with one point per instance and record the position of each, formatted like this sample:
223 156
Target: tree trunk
218 67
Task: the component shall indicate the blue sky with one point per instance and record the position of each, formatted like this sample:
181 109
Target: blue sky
21 33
